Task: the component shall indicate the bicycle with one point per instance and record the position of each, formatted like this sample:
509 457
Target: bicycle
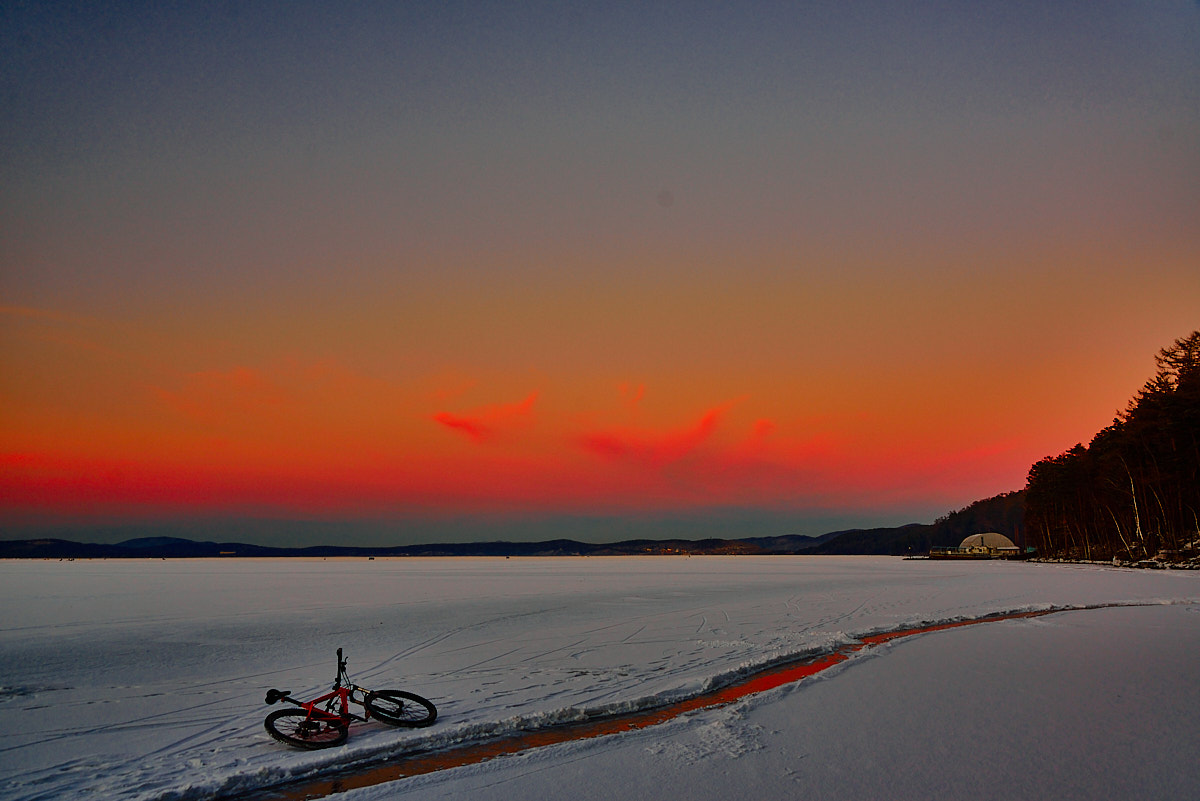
325 722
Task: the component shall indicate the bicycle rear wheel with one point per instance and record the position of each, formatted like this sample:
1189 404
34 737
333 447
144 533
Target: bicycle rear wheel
398 708
295 728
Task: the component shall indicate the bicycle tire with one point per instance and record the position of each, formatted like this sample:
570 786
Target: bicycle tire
294 727
400 708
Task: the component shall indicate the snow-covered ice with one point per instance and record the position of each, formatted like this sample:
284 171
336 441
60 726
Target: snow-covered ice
145 679
1048 708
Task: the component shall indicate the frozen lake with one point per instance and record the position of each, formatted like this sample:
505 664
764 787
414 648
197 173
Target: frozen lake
145 679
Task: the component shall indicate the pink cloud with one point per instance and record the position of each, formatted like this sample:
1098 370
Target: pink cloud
630 394
654 448
483 423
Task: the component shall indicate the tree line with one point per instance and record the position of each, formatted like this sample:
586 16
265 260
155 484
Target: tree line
1134 492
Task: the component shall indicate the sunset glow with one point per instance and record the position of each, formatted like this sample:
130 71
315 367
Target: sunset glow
438 262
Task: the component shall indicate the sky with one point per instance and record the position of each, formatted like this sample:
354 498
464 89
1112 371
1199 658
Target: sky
380 273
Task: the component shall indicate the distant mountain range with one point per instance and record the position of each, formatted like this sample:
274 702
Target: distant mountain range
1003 513
176 548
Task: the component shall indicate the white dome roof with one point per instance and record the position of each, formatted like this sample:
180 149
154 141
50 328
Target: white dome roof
989 539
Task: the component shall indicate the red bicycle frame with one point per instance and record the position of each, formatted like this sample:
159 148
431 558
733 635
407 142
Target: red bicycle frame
336 704
325 722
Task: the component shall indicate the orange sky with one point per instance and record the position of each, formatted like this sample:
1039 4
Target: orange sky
930 400
839 267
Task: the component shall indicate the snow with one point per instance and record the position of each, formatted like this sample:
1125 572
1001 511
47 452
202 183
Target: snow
144 679
979 726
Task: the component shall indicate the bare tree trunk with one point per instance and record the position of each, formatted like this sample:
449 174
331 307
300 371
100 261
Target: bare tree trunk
1119 532
1137 520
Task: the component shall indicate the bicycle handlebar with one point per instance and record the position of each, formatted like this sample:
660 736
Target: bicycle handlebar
341 671
274 696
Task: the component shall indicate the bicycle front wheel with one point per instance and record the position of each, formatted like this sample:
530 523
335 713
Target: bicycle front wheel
398 708
295 728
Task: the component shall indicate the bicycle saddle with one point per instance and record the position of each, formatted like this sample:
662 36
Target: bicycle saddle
275 695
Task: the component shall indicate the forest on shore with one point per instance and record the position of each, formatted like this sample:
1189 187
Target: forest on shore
1133 493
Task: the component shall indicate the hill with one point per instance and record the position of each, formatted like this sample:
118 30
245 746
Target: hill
1002 513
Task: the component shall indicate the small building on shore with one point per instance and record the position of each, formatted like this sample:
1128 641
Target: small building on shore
988 545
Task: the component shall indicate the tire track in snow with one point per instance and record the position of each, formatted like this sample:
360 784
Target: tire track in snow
124 725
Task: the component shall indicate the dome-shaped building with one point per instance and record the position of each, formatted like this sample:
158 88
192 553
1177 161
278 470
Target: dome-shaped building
988 545
990 541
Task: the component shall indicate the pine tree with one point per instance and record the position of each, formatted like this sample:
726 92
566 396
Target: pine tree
1134 491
